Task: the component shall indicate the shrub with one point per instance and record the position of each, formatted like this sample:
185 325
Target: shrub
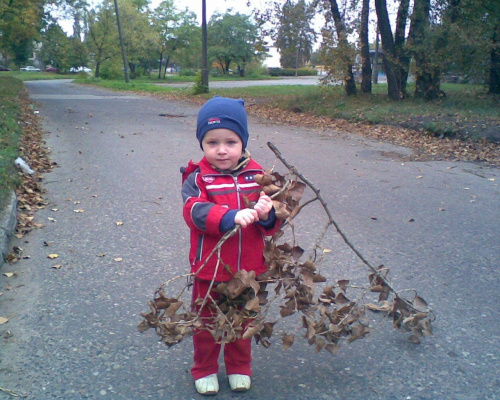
198 87
187 72
111 69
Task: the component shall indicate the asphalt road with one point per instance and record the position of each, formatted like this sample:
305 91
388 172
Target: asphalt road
72 331
294 80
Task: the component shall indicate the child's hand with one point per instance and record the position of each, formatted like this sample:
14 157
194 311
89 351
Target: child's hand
246 217
263 206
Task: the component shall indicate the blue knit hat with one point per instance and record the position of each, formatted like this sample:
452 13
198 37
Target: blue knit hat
221 112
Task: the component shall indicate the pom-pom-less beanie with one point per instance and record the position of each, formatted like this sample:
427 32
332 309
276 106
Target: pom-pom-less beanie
221 112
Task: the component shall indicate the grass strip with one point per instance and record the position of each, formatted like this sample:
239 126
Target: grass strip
11 90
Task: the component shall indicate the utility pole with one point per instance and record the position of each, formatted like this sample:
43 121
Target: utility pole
125 64
204 55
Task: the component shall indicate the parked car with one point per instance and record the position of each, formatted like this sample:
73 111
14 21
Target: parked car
2 68
50 69
29 68
80 69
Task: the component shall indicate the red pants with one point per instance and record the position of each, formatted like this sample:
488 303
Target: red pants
237 354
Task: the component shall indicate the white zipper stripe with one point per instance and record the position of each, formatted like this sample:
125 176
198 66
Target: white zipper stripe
221 186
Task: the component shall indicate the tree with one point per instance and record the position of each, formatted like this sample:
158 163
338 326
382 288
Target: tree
232 38
21 22
174 30
473 27
102 38
401 53
364 44
390 58
139 35
55 48
295 35
426 43
337 52
187 52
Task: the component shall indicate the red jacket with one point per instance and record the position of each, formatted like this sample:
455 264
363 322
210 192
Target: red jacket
208 195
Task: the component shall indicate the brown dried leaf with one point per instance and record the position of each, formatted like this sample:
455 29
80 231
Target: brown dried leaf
386 306
420 303
251 330
264 179
253 305
287 341
414 339
172 308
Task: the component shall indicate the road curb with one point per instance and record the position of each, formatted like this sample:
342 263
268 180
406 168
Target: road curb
8 221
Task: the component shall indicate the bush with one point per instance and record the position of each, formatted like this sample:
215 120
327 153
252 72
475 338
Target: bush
198 87
187 72
111 69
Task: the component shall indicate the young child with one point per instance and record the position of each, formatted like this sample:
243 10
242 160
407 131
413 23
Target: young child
213 192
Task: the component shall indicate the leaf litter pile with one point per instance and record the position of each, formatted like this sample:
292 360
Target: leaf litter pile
30 192
250 306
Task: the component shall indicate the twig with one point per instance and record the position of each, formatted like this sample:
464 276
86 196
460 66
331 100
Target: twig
12 393
332 220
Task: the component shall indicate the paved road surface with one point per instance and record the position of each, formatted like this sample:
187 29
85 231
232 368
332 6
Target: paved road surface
300 80
72 331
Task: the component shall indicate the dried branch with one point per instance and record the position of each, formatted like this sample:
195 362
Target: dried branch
244 303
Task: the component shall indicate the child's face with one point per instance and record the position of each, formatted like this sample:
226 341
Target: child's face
222 148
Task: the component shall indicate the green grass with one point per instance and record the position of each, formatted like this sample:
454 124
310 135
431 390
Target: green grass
34 76
10 132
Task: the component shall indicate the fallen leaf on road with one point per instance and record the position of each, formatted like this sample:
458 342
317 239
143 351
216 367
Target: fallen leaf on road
287 341
11 258
3 320
119 223
9 274
46 244
101 255
57 266
52 219
52 256
79 211
118 259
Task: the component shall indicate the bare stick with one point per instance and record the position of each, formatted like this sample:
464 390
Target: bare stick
330 217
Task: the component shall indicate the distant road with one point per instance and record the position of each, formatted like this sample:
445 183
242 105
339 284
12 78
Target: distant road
299 80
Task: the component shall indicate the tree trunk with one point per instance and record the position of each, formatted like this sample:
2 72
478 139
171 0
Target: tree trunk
166 66
366 67
390 66
161 63
428 81
494 86
375 59
349 82
97 67
402 55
